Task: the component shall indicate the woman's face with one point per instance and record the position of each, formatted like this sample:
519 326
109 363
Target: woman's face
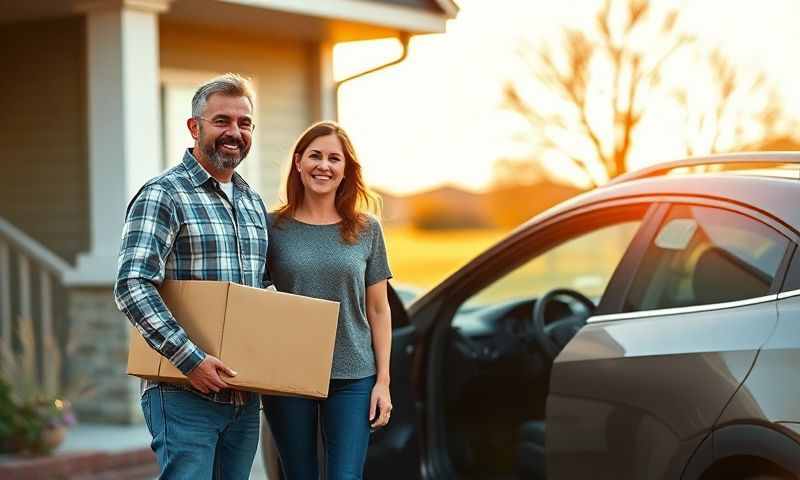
322 165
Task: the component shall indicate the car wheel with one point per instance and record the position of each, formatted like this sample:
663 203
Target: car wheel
768 474
747 468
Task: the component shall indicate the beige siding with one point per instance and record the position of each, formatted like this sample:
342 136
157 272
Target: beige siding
43 188
281 68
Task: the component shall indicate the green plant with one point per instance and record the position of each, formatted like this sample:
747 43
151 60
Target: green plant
7 416
20 426
29 408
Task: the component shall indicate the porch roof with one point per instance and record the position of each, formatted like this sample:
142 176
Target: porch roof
329 20
343 20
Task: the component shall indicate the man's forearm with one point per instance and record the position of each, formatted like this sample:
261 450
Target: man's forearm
140 301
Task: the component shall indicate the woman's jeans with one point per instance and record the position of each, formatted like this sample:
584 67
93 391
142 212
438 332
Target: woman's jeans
343 418
196 438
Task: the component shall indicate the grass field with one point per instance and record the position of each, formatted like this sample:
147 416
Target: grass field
422 258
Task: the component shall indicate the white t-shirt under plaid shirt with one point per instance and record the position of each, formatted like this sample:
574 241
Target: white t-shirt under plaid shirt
180 226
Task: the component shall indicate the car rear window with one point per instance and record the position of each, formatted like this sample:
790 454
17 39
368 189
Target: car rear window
792 281
704 255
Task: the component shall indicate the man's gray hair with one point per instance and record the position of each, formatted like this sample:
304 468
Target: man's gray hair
230 84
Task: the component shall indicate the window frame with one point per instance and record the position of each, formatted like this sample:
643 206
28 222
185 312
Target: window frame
787 292
649 233
521 246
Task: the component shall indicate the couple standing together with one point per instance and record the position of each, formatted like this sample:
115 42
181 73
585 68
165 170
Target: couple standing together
201 221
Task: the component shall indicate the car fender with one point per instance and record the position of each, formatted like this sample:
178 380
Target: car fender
767 441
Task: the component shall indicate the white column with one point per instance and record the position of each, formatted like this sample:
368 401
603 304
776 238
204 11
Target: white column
124 121
328 101
5 298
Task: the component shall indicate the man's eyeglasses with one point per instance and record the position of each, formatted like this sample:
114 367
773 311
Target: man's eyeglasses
224 122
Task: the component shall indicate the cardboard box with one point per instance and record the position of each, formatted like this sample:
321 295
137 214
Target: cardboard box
278 343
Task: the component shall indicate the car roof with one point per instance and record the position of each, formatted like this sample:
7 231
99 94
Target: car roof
724 161
775 196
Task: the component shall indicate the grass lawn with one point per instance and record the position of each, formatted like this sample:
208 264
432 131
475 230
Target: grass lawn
423 258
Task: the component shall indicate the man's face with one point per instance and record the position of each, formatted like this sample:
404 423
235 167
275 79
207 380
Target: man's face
225 131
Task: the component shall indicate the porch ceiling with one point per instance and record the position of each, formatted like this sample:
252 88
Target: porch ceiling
330 20
36 9
259 21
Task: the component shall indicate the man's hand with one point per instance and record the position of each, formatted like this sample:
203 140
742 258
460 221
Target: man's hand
206 376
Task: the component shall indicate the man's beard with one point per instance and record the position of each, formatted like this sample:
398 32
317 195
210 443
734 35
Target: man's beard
222 160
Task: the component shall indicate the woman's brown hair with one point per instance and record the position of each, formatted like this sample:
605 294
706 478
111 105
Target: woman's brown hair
353 198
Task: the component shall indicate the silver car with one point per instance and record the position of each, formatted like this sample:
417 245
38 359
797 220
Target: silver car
649 329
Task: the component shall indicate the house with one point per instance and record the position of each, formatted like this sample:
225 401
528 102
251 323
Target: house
95 95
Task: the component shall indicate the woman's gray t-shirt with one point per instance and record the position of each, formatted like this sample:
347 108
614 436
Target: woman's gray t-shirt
314 261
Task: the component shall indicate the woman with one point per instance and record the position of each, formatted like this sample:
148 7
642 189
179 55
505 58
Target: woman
323 245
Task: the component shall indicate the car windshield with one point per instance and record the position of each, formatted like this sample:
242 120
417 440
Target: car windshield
584 263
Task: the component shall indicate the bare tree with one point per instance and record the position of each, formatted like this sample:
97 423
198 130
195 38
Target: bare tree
739 108
591 91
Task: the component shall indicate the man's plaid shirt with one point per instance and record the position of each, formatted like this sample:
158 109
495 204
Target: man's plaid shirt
181 226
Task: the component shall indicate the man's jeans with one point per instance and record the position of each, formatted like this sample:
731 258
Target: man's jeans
196 438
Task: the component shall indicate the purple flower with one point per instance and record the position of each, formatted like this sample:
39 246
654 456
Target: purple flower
70 419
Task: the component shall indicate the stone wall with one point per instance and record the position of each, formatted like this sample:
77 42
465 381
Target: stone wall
101 356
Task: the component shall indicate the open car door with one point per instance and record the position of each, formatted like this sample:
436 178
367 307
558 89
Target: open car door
394 450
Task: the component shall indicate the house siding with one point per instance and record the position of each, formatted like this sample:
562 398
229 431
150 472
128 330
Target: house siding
44 189
280 68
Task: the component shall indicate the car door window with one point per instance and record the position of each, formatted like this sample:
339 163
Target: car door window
703 255
792 281
584 263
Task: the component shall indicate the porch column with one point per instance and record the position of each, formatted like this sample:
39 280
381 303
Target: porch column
323 86
124 121
124 131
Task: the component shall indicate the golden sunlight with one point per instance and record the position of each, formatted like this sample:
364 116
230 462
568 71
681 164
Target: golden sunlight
437 118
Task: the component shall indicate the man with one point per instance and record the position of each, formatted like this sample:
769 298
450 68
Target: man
197 221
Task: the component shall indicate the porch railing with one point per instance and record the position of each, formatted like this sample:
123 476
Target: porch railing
31 290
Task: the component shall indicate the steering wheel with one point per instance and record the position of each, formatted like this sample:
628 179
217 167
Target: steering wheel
553 337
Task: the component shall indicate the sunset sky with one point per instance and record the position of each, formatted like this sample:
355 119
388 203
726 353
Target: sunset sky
436 118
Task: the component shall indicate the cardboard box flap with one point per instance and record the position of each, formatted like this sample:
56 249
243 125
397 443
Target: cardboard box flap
200 308
143 361
294 332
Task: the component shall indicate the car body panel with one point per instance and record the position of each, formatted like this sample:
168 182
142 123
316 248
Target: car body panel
634 398
771 393
763 418
700 461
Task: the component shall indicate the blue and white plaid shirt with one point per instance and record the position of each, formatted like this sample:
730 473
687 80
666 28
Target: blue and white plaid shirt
181 226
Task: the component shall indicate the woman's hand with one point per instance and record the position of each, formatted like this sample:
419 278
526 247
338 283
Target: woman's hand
380 406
